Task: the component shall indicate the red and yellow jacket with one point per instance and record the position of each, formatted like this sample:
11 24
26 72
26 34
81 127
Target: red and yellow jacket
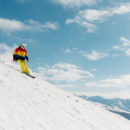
20 54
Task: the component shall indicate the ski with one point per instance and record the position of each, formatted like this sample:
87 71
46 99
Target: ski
31 76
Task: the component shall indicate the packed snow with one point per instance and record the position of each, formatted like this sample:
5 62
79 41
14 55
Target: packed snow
35 104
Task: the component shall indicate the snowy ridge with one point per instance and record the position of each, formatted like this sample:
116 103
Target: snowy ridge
34 104
110 103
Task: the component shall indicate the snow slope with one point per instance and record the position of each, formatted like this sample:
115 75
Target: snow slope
34 104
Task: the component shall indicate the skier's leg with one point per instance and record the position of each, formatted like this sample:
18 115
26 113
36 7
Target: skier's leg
21 65
26 68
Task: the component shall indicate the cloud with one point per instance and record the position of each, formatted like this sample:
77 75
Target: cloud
94 55
75 3
126 42
88 18
122 81
67 51
124 47
36 26
124 94
7 25
6 52
4 48
65 85
90 27
94 70
64 72
122 9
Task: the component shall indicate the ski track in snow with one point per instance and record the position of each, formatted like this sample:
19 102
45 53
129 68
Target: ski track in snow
34 104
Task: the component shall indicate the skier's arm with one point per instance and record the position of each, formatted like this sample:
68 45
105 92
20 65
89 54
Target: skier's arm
14 59
14 54
27 58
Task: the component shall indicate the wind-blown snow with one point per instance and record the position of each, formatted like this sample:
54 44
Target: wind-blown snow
34 104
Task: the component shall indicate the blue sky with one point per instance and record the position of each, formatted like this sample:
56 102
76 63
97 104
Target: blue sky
79 45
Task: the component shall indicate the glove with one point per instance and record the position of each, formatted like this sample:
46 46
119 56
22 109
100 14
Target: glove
13 59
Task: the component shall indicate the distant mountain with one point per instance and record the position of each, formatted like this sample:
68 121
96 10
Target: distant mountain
124 114
115 105
121 104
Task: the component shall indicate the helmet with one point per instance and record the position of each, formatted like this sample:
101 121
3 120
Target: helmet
23 45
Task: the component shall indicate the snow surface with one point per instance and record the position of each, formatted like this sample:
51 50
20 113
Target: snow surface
34 104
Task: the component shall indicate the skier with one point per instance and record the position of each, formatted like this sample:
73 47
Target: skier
19 55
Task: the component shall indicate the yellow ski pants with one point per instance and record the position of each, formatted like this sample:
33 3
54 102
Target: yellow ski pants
23 66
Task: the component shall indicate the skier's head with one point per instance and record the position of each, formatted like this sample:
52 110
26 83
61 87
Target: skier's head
23 45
